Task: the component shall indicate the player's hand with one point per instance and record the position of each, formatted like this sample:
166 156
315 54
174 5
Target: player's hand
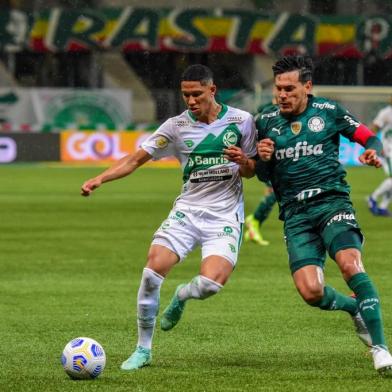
235 154
370 158
89 186
265 149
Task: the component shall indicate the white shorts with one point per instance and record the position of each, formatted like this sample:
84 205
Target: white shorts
183 230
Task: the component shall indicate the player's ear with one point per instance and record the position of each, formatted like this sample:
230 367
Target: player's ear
308 86
213 89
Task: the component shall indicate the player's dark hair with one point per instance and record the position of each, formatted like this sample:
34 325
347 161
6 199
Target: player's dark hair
197 73
302 64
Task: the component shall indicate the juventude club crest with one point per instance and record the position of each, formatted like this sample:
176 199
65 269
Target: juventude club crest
296 127
230 139
316 124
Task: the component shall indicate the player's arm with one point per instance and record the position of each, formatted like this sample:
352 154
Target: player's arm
247 165
373 146
245 155
265 149
121 168
357 132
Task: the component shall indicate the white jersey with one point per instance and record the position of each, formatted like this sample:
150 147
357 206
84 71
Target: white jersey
211 182
383 120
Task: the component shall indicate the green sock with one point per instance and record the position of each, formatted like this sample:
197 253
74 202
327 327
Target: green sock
333 300
265 207
369 306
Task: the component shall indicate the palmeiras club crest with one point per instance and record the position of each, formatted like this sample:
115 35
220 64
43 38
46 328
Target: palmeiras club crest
316 124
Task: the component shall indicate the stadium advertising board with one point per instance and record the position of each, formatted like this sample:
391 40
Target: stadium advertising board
187 29
94 147
101 147
20 147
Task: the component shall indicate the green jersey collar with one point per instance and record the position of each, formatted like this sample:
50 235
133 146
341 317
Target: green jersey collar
221 113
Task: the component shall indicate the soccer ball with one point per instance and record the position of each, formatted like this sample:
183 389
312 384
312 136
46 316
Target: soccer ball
83 358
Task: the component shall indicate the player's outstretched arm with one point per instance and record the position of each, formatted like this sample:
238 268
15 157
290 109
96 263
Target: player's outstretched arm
121 168
373 146
247 165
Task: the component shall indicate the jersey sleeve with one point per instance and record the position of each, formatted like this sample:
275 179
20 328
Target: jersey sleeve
161 143
345 122
249 138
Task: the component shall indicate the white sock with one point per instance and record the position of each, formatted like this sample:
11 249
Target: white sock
385 186
199 287
148 306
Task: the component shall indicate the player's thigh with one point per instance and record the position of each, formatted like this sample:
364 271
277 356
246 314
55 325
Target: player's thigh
303 242
341 229
221 237
178 233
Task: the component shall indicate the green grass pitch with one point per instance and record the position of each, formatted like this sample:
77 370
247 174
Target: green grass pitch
71 267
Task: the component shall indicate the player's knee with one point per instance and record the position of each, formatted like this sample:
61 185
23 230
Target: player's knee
349 262
161 259
312 294
207 287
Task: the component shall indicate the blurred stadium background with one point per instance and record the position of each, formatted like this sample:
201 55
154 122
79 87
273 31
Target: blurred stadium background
83 82
114 65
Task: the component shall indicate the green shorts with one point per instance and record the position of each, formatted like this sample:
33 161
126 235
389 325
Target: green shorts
311 226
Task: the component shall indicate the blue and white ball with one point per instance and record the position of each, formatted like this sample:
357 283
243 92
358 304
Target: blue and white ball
83 358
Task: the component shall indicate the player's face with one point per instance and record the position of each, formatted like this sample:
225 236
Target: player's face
290 93
198 98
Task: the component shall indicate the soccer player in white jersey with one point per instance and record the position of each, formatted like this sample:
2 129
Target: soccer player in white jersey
215 145
383 123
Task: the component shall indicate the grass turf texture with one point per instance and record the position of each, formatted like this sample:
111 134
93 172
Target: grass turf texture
71 267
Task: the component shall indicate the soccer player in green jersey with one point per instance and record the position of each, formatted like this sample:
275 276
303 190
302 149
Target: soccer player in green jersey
212 142
299 150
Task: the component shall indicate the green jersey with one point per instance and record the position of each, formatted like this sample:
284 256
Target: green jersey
267 107
306 157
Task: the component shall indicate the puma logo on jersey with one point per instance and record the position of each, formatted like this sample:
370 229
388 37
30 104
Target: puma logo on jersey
301 149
